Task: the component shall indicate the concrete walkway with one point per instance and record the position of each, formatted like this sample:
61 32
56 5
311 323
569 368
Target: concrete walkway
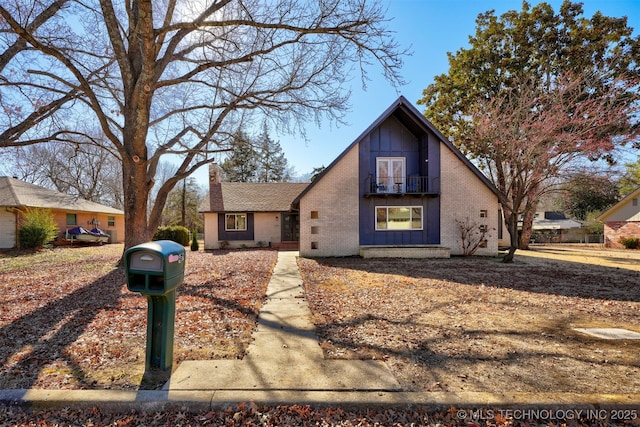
284 354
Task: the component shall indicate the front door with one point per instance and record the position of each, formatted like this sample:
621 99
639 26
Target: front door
290 227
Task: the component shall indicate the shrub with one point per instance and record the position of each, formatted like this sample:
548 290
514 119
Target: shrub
630 242
195 246
177 233
38 228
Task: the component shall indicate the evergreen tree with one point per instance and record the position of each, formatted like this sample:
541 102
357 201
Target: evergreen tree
272 165
241 165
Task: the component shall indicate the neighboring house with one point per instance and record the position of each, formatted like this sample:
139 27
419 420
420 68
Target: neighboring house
69 211
622 220
555 227
397 190
250 214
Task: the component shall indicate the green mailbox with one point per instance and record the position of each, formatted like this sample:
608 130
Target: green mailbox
156 269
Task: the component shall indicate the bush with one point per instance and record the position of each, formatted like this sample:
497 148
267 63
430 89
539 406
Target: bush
177 233
194 242
38 228
630 242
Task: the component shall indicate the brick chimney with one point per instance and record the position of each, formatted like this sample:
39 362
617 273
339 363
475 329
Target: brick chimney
215 174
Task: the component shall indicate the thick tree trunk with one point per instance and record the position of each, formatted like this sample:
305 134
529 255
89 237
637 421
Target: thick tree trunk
136 194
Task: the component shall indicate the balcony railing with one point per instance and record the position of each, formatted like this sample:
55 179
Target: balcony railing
412 185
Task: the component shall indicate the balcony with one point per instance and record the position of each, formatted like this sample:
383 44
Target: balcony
397 186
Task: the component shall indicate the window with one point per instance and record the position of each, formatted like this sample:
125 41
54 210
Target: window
111 221
399 218
390 174
72 219
235 222
315 230
314 214
634 202
483 213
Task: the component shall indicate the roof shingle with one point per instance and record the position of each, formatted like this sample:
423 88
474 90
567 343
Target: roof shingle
252 196
16 193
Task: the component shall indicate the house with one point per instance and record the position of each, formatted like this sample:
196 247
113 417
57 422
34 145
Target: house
622 220
69 211
401 189
238 214
555 227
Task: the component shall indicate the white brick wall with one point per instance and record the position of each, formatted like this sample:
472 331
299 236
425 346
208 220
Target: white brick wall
335 199
464 195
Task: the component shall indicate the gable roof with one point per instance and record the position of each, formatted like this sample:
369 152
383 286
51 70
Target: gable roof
606 214
251 196
416 122
552 220
16 193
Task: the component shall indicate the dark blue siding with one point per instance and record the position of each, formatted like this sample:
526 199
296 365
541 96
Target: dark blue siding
422 157
235 235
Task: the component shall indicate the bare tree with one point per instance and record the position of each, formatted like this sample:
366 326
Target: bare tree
176 79
83 170
472 235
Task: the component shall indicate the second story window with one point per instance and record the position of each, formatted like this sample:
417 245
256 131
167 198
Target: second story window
390 174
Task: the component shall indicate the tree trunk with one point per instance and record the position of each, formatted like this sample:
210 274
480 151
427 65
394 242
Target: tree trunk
527 229
527 221
136 194
512 225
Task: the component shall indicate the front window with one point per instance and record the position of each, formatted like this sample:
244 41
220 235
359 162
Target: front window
72 219
235 222
111 221
399 218
390 174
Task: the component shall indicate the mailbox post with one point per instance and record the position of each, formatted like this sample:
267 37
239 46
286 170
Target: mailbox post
156 269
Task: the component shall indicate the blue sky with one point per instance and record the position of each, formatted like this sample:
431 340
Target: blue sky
432 28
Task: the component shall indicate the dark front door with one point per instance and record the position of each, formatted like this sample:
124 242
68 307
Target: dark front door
290 227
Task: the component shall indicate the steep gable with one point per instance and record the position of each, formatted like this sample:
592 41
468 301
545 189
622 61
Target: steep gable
416 123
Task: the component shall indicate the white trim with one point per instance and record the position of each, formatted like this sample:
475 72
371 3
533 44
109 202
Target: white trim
227 215
375 218
393 183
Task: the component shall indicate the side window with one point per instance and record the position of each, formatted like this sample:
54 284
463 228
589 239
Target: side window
72 219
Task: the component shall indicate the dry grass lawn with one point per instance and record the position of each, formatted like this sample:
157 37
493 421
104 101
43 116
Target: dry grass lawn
67 320
480 325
